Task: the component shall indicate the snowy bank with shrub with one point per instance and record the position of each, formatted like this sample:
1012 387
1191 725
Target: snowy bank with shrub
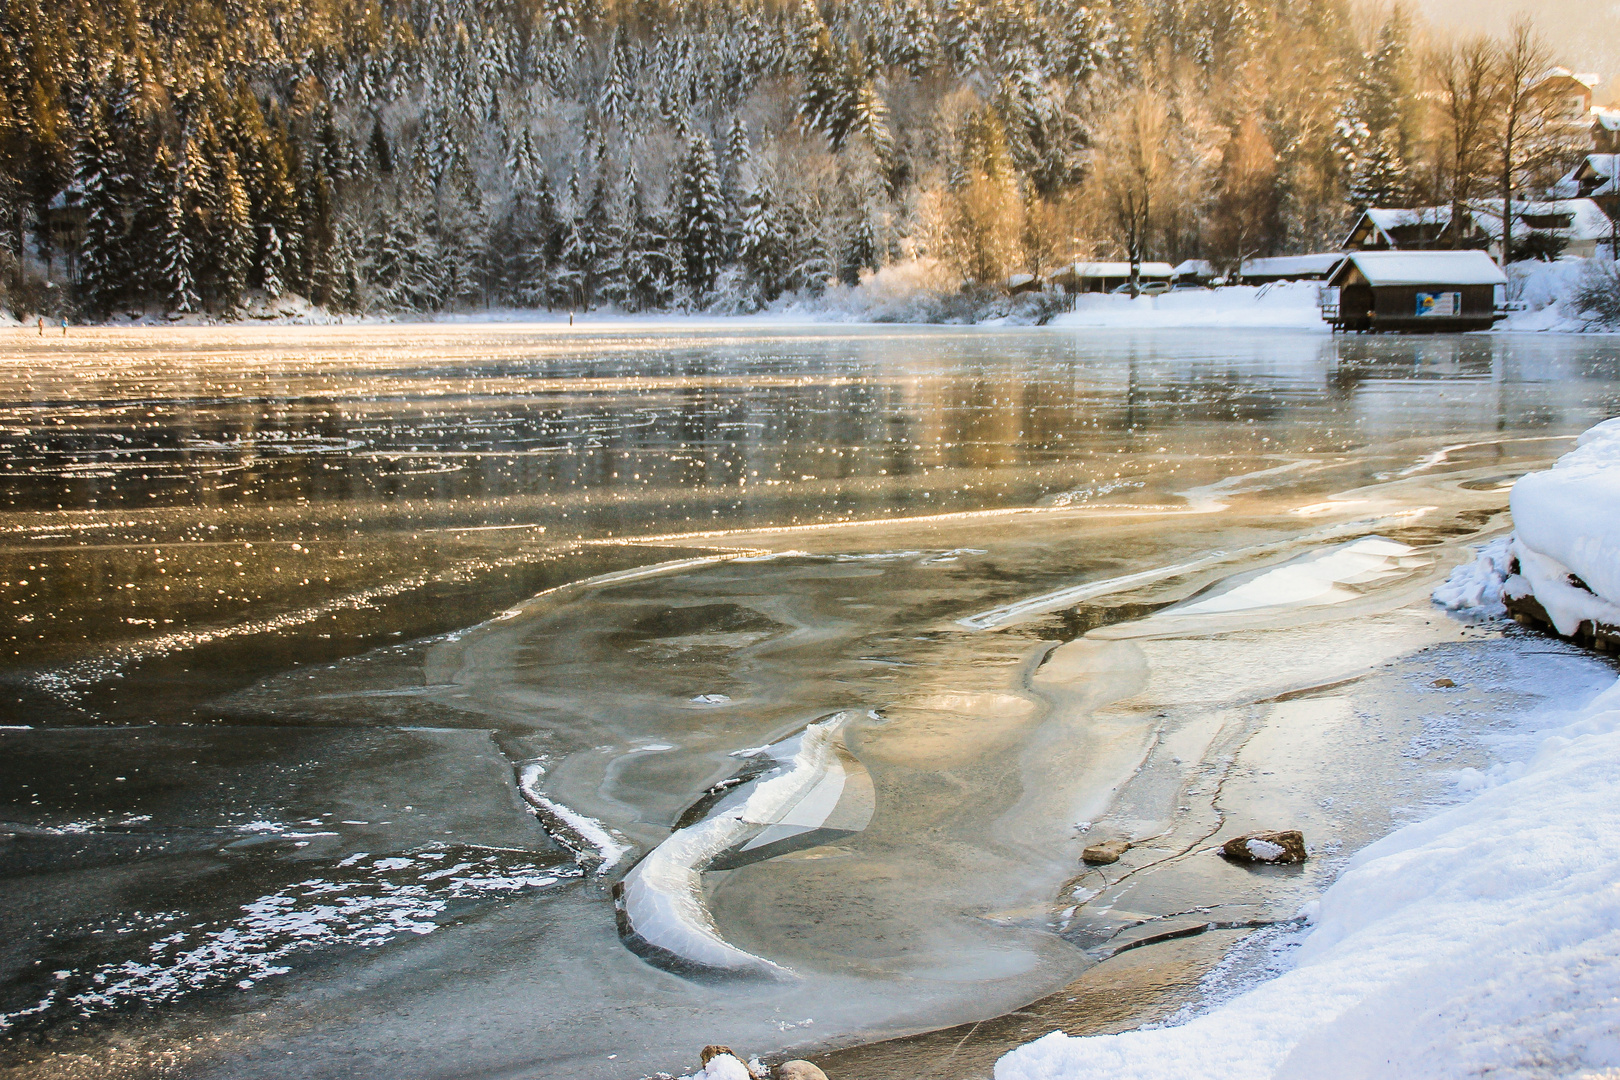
1484 941
1564 554
1566 296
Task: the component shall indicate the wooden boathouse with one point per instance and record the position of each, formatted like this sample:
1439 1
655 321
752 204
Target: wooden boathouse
1414 292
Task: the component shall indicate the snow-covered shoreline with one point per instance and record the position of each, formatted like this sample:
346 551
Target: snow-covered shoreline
901 297
1485 940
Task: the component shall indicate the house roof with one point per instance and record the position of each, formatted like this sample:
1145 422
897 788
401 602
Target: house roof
1587 79
1601 167
1287 265
1424 268
1115 269
1194 267
1608 119
1587 219
1423 215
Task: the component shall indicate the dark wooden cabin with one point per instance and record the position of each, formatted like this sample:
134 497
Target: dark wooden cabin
1414 292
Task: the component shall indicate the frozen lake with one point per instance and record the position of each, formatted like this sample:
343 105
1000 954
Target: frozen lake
348 670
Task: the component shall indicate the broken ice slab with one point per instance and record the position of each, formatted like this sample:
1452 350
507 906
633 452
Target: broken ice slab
798 793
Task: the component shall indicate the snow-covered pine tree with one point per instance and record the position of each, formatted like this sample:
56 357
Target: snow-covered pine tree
178 270
102 180
762 244
1379 177
700 216
272 262
235 232
617 93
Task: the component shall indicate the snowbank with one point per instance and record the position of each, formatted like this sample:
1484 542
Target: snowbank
1568 523
1285 305
1551 295
1484 941
1566 551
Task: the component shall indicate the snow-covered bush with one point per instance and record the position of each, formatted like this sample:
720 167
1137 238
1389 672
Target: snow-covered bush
1597 294
926 290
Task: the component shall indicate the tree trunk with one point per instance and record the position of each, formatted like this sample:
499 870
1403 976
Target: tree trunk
1507 193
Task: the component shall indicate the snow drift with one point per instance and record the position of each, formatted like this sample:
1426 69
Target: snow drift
1484 941
1568 532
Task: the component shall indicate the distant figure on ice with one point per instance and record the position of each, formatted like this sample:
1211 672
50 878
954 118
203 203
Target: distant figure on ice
64 326
42 326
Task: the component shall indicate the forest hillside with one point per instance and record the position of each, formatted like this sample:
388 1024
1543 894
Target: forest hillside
421 155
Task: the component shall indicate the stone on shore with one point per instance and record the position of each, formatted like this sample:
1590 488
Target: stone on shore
1104 853
722 1063
1287 846
799 1070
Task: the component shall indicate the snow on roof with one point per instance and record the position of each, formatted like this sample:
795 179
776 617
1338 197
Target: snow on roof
1600 164
1426 268
1116 269
1587 221
1282 265
1395 219
1587 79
1608 118
1194 267
1015 280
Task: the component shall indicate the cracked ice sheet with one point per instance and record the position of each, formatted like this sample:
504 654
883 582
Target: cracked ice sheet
1482 940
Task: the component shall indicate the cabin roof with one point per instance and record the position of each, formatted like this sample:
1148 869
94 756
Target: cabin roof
1423 268
1283 265
1115 269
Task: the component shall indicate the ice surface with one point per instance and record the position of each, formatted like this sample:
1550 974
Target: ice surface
1484 941
1319 577
367 907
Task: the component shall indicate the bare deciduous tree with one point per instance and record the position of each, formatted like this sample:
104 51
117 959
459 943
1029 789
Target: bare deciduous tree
1131 172
1464 78
1532 130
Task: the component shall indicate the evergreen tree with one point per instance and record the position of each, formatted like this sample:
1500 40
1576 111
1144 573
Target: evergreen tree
235 237
700 216
762 247
103 180
178 261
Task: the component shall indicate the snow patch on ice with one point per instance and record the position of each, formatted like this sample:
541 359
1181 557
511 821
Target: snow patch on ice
1286 305
182 956
1319 577
661 898
584 836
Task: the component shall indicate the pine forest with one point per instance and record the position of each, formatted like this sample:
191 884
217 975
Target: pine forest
719 155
